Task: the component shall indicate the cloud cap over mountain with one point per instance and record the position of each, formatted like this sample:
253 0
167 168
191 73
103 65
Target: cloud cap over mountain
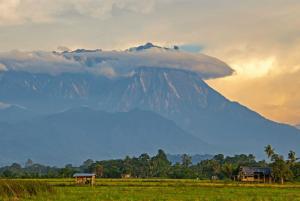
113 63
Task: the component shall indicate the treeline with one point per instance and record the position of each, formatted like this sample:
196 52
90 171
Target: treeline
158 166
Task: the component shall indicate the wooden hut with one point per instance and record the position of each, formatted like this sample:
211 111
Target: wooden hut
85 178
255 174
126 176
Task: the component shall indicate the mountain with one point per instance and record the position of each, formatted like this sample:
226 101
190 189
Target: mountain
47 93
15 113
177 158
80 133
144 93
150 46
177 95
187 100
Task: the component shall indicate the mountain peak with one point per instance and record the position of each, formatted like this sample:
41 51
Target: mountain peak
149 46
78 51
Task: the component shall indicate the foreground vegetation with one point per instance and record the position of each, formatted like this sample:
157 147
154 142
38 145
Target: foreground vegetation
148 180
164 189
13 189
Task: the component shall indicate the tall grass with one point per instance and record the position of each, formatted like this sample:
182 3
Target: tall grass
19 189
145 190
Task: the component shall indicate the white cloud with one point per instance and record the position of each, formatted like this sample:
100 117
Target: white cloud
113 63
107 71
124 61
38 62
33 11
63 48
2 67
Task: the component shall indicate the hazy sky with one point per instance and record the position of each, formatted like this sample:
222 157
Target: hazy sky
260 39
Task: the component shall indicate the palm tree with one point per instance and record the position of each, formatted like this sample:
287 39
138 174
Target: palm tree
269 151
292 157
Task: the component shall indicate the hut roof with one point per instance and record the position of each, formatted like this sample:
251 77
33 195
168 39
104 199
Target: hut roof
255 170
84 175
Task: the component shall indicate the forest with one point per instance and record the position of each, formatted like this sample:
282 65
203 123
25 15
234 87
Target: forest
219 167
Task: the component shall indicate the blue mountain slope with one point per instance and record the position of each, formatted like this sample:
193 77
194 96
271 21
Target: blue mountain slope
81 133
183 97
15 113
178 95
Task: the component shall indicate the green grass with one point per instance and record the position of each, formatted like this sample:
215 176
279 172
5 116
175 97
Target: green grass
17 189
166 190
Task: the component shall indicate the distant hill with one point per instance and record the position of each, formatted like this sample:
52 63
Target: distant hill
176 158
77 134
14 113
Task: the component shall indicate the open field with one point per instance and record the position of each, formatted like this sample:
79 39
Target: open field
13 189
156 189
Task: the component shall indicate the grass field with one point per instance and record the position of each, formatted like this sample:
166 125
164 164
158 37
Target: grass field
171 190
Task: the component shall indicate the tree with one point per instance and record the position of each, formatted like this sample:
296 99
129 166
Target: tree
227 168
98 170
280 169
296 171
160 164
269 151
219 157
292 157
28 163
208 168
128 168
186 160
67 171
144 166
85 167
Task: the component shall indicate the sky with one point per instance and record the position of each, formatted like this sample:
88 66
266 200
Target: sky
259 39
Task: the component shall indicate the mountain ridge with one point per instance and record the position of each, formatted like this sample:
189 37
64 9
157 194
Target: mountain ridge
80 133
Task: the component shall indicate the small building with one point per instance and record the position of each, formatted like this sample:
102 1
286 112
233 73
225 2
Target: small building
214 178
85 178
255 174
126 176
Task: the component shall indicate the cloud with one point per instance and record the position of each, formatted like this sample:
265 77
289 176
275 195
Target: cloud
2 67
63 48
106 71
14 12
113 63
125 61
38 62
191 48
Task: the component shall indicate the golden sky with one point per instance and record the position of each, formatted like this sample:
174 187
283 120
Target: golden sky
275 96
